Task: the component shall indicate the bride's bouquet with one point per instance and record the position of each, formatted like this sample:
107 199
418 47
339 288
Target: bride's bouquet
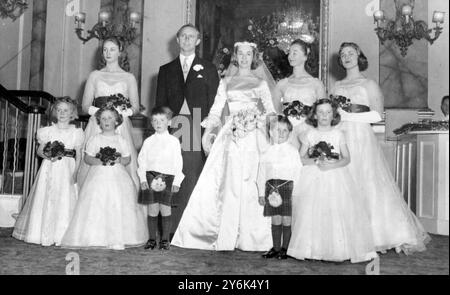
108 155
246 121
322 150
119 102
54 149
342 101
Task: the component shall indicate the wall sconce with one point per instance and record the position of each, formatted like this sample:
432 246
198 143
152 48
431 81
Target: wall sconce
12 8
404 29
104 28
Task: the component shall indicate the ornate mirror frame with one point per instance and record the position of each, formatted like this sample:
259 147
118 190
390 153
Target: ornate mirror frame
189 17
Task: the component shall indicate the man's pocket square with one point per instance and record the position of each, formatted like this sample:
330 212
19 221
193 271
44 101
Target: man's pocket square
199 76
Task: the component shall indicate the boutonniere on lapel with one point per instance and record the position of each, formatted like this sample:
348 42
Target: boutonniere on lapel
198 67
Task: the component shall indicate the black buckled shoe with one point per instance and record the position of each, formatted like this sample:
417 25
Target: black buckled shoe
271 253
151 244
282 254
164 245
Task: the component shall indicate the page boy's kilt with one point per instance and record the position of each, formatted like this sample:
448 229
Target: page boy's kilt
151 197
285 191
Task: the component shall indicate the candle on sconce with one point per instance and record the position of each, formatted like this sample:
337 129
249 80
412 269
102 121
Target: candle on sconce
134 18
80 18
104 17
438 17
378 16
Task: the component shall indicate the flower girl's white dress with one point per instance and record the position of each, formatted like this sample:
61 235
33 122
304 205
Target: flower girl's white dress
329 220
104 88
52 198
223 212
393 223
107 214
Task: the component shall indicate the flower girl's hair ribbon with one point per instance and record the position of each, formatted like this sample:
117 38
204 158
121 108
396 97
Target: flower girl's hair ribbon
251 44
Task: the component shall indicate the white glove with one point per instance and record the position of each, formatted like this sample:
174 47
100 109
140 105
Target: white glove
207 142
365 117
92 110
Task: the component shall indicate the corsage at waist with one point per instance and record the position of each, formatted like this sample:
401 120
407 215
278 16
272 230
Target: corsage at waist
296 109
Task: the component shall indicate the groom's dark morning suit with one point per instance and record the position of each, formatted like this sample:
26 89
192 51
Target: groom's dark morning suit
199 89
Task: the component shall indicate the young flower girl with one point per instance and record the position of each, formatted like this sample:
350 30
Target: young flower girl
329 220
107 214
51 201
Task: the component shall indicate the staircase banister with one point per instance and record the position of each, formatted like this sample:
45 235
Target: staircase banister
15 101
33 93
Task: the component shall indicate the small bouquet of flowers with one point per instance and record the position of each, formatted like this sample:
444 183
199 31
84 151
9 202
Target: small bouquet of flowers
108 155
246 121
119 102
54 149
322 150
342 101
296 109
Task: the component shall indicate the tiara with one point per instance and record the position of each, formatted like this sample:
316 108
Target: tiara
251 44
306 38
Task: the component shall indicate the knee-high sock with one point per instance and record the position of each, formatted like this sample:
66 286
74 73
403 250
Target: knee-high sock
166 223
276 236
286 236
152 227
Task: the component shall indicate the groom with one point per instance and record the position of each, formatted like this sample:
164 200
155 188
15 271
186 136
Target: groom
187 85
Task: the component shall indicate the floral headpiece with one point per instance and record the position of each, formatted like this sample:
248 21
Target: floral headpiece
251 44
308 39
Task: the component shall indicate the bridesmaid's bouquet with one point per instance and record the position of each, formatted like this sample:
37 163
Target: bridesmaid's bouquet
54 149
108 155
342 101
119 102
296 109
322 150
246 121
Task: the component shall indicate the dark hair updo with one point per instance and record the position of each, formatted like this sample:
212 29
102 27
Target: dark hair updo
311 52
123 57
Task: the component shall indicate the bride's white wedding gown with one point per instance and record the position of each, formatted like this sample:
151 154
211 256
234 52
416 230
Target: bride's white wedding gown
223 212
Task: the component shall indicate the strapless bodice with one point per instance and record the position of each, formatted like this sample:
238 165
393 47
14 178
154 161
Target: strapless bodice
355 91
103 88
303 91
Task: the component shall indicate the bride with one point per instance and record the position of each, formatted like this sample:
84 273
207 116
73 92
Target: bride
111 79
223 211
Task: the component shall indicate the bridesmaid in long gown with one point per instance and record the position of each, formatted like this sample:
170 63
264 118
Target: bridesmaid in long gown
301 89
223 211
111 79
393 223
